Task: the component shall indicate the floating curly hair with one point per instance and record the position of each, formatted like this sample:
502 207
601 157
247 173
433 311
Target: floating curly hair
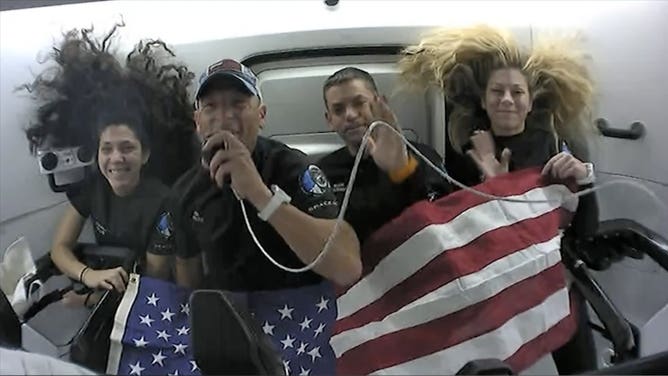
460 62
89 88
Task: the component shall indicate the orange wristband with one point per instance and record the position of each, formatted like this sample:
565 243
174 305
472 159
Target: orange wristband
401 174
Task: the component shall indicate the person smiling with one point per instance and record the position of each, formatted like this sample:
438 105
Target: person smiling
511 109
122 204
136 116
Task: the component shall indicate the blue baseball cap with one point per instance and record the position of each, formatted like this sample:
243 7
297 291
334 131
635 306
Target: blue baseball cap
228 68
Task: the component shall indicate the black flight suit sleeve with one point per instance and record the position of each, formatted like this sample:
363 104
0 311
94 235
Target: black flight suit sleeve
80 197
161 238
172 233
585 221
425 182
307 185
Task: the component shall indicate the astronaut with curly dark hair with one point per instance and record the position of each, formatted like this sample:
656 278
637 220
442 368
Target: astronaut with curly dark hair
135 113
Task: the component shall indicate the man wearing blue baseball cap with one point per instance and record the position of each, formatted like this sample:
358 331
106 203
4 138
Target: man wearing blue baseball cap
289 205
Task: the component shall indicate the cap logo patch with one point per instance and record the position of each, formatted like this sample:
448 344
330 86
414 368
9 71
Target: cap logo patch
225 65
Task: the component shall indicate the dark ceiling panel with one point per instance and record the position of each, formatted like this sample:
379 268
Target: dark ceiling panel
22 4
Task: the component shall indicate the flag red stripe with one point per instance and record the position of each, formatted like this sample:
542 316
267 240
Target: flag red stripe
412 343
545 343
424 213
456 263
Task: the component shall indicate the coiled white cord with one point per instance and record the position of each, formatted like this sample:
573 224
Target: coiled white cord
445 175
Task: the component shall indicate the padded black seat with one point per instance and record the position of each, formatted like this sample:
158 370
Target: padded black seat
10 325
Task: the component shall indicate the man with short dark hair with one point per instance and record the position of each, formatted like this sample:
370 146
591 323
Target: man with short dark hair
390 177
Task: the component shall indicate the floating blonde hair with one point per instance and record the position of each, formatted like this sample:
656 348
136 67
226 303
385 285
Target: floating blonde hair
562 85
460 61
439 52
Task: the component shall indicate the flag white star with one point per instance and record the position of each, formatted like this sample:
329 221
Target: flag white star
301 349
268 329
180 348
321 327
185 308
135 369
183 331
141 342
158 358
286 365
286 312
163 334
176 373
146 320
315 353
323 304
304 372
288 342
167 315
306 324
194 365
153 300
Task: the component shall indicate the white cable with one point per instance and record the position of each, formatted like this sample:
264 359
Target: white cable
337 224
353 175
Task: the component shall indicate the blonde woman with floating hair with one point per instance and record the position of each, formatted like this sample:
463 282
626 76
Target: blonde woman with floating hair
510 109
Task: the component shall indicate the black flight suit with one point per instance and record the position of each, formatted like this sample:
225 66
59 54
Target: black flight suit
132 221
209 220
533 148
375 199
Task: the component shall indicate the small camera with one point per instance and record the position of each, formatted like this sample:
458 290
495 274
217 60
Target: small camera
63 159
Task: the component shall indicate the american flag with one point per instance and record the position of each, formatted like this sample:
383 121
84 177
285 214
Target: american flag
299 322
151 333
458 279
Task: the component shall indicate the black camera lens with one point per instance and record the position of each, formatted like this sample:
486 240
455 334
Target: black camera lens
49 161
84 154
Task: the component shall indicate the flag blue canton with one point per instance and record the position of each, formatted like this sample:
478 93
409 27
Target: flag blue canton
154 321
156 339
299 322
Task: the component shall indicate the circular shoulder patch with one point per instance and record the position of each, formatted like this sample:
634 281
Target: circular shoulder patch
313 181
